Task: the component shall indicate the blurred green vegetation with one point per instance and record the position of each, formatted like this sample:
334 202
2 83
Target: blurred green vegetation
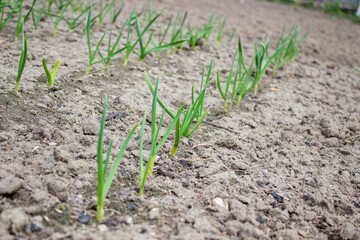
332 9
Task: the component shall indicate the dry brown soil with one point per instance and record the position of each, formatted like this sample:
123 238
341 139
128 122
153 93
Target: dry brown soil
286 162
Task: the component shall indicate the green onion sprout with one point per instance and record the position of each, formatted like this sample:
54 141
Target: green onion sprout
22 58
242 83
50 74
221 33
143 52
293 47
104 180
183 128
155 144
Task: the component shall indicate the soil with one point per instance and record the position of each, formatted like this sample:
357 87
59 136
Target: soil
285 164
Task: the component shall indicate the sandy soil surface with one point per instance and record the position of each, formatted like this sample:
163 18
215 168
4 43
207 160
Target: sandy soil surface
287 161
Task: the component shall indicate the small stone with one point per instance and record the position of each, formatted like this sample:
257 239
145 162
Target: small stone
307 197
102 227
355 204
10 185
129 220
154 214
218 202
261 219
185 185
35 228
277 197
16 218
84 218
132 206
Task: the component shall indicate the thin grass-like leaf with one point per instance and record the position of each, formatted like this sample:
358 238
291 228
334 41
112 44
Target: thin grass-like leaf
22 58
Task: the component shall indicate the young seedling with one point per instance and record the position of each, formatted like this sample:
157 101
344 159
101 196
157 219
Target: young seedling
292 47
162 36
104 180
111 49
221 33
36 16
19 22
358 70
114 14
74 20
143 52
50 74
104 10
129 38
242 83
263 61
195 35
57 19
200 113
232 34
14 8
22 58
59 4
155 143
177 32
92 54
183 128
210 25
148 13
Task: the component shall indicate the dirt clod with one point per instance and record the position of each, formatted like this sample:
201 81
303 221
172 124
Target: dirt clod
16 219
10 185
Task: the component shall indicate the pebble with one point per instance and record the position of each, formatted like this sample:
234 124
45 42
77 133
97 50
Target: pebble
129 220
356 204
185 185
154 214
35 228
84 218
307 197
277 197
10 185
218 202
261 219
16 218
102 227
132 206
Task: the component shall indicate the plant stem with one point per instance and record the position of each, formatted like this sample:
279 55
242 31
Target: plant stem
177 140
88 69
151 166
239 101
100 213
